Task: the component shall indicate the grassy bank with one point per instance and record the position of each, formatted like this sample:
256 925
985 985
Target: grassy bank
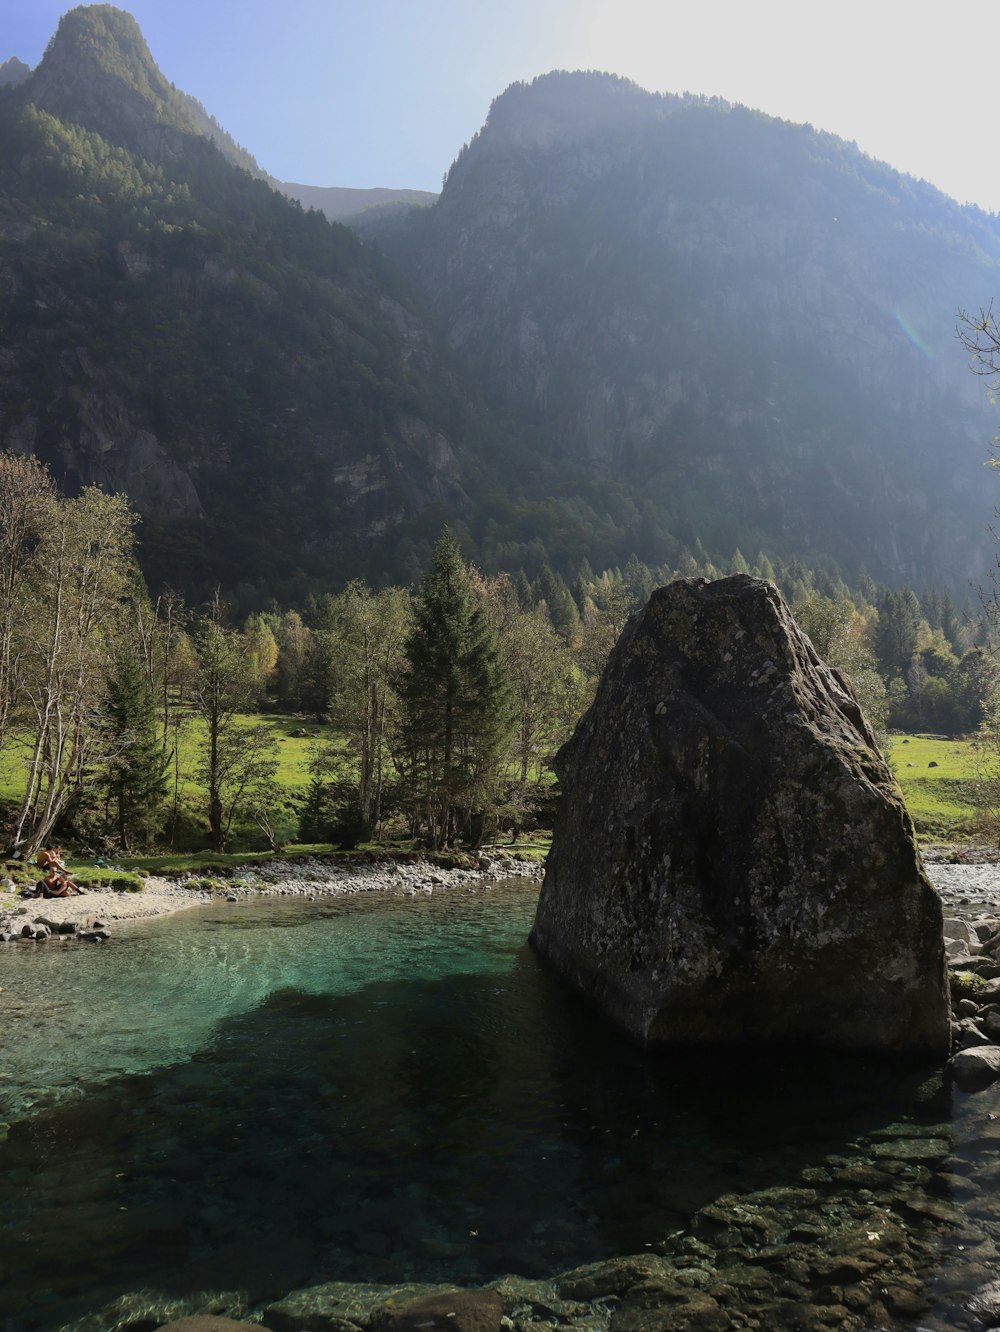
937 778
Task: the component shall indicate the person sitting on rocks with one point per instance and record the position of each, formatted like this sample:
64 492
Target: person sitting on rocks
57 885
51 855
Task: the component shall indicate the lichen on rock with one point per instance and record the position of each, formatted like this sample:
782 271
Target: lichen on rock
732 860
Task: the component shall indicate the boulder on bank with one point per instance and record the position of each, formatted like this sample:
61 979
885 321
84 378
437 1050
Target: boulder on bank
732 860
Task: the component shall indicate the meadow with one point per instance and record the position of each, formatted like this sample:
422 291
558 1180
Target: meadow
937 777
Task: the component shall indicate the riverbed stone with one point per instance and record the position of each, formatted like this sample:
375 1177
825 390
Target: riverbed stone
985 1303
455 1311
341 1306
208 1323
976 1068
732 860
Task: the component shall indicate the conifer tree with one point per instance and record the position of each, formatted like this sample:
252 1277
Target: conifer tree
557 597
523 592
764 568
136 780
456 698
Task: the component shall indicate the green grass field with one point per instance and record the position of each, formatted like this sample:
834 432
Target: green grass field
941 800
294 753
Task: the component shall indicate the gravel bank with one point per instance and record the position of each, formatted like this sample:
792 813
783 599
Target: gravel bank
308 879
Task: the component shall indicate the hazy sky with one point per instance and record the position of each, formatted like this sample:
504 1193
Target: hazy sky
385 92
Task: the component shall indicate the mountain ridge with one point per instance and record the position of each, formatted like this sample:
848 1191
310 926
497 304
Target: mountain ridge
720 310
341 202
261 383
630 323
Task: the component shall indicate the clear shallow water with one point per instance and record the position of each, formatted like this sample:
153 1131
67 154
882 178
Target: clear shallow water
272 1095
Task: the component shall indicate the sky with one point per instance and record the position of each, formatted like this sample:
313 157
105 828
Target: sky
385 92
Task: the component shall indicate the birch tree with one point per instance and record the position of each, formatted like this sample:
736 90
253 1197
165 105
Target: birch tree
81 578
364 639
235 759
27 505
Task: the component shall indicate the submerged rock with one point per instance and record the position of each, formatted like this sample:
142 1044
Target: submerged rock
732 860
459 1310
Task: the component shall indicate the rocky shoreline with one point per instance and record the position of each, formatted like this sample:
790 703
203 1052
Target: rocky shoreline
89 917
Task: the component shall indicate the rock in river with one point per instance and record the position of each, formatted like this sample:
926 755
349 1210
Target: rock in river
732 860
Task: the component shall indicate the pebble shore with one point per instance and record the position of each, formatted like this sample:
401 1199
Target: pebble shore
90 915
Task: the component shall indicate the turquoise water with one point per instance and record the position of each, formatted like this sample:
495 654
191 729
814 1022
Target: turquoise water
271 1095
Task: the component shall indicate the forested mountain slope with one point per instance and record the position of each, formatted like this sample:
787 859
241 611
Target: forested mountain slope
742 326
263 386
630 323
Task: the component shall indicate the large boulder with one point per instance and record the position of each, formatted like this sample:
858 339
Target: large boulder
732 860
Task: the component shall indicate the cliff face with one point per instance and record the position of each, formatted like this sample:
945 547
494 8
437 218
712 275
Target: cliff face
264 389
743 318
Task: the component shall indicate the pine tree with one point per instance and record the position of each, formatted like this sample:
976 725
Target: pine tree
137 769
896 631
523 592
456 697
764 568
553 591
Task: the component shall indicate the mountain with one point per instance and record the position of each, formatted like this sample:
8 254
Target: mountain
716 325
629 323
12 72
340 203
266 389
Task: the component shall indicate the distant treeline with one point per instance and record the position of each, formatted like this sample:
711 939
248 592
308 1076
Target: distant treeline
444 703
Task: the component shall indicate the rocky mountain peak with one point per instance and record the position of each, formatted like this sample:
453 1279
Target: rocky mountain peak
98 72
13 72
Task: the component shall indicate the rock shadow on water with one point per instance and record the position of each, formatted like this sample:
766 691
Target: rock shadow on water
435 1130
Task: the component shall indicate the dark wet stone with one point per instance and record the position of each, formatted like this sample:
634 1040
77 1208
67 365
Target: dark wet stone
904 1301
861 1176
968 1035
932 1208
694 1311
617 1276
805 1317
841 1269
519 1293
208 1323
339 1306
956 1186
806 1230
912 1149
744 1277
455 1311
